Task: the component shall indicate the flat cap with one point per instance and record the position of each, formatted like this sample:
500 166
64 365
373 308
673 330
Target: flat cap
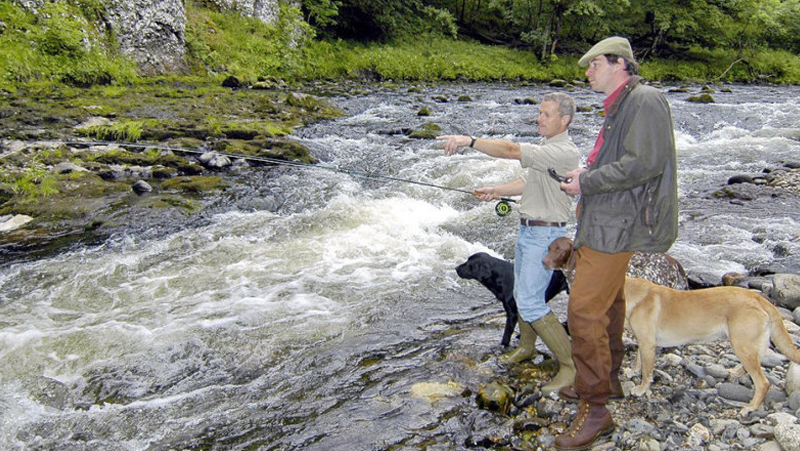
614 45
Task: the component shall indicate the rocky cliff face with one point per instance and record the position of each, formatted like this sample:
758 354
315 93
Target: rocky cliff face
264 10
152 32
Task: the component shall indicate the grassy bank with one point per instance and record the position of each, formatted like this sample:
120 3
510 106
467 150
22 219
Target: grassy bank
444 59
50 47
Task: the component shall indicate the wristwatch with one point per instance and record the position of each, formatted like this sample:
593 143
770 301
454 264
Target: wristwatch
472 141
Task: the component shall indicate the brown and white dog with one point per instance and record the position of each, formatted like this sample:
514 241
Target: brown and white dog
656 267
661 316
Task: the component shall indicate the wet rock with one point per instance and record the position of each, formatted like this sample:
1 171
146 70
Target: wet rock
48 392
232 82
648 444
638 426
66 167
433 391
762 430
698 435
770 446
95 121
702 98
734 392
13 222
495 397
741 178
788 436
214 160
734 279
141 187
786 290
792 382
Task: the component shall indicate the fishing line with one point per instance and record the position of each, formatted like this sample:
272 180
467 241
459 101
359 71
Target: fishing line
502 208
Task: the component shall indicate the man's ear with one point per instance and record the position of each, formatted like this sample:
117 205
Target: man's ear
565 120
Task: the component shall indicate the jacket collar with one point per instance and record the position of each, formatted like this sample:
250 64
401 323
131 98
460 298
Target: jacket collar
629 85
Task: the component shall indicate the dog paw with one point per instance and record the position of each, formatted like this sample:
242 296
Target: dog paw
738 371
745 411
640 390
630 373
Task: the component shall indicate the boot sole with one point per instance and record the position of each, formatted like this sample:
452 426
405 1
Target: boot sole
576 399
601 434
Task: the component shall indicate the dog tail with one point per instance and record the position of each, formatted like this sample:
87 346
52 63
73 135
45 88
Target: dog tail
778 333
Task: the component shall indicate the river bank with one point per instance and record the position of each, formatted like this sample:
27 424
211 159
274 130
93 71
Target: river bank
295 310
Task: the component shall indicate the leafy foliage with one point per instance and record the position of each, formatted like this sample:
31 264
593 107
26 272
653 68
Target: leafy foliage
61 42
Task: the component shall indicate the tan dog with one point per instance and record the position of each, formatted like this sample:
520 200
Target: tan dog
655 267
661 316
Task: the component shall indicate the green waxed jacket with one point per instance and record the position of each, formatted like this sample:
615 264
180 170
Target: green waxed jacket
629 197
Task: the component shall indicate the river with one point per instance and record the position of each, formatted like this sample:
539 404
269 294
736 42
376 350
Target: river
333 319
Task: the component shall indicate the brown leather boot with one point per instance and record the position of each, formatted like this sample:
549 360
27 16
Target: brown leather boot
568 393
590 423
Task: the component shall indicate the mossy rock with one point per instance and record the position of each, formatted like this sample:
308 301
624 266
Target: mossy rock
424 111
171 201
163 172
194 184
702 98
495 397
526 101
431 126
440 99
679 90
465 98
123 157
558 83
95 194
423 134
584 109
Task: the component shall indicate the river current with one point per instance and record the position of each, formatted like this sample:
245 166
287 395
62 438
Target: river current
333 319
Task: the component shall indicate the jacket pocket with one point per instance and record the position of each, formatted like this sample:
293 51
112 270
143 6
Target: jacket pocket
607 230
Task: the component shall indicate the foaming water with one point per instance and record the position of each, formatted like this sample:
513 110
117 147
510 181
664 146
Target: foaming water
309 326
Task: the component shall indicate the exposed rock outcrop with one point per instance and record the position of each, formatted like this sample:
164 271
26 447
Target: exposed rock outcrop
266 11
151 32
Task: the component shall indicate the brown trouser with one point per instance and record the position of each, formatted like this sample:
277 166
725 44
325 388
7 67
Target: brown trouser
596 316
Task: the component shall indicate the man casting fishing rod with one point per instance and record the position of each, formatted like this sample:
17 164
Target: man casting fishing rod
544 212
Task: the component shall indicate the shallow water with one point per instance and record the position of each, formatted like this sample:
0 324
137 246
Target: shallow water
335 320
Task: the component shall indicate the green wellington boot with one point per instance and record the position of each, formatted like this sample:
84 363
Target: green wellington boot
527 344
555 337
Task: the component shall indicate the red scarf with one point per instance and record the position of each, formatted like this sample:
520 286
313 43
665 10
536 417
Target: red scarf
599 142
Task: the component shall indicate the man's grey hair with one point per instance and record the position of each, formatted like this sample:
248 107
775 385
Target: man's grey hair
565 102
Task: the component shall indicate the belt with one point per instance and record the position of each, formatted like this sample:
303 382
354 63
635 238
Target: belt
537 223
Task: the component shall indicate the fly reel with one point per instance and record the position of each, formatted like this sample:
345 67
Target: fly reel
502 208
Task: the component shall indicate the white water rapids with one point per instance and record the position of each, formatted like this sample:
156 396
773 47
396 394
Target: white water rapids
308 326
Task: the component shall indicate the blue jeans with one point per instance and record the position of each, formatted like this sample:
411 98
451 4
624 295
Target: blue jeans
531 278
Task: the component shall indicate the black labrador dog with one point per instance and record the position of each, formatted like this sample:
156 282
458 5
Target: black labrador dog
498 276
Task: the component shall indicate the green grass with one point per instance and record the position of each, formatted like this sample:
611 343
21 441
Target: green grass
65 44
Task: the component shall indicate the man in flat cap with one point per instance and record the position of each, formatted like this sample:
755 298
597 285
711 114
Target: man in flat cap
628 203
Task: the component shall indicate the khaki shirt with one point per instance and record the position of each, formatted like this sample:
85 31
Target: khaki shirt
542 197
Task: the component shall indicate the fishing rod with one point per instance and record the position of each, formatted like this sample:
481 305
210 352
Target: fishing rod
502 208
